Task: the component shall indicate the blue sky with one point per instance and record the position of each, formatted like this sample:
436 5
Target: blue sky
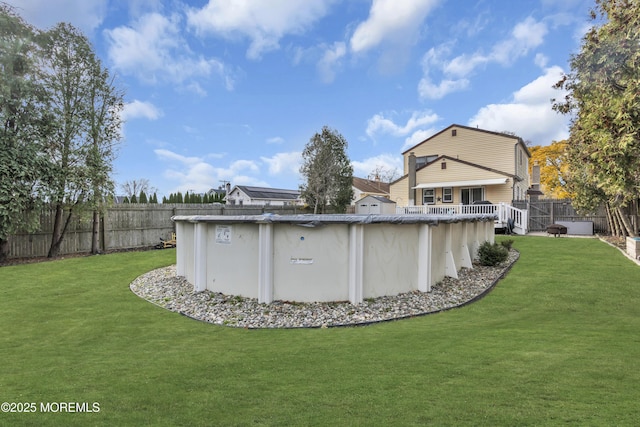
232 90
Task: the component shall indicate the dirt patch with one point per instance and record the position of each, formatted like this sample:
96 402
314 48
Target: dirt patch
617 241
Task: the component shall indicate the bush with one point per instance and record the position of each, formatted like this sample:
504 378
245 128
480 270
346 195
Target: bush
507 244
492 254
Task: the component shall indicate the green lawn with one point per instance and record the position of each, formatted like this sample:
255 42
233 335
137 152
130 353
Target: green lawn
557 342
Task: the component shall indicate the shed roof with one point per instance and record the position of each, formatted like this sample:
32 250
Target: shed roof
378 198
269 193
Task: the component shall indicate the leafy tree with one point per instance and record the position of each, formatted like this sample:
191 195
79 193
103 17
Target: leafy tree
78 138
553 168
23 167
328 172
105 103
604 97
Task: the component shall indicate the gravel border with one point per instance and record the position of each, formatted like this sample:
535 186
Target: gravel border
163 288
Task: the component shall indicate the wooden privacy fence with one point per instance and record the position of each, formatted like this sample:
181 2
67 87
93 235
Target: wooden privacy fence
545 212
127 226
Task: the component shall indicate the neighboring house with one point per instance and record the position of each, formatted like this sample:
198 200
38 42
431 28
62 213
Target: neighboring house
263 196
463 165
366 187
375 205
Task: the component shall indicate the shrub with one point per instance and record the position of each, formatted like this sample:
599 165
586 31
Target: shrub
507 244
492 254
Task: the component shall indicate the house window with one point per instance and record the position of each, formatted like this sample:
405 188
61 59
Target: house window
454 132
423 160
447 195
470 195
428 196
443 165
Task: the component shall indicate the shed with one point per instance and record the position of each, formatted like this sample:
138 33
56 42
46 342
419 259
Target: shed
375 205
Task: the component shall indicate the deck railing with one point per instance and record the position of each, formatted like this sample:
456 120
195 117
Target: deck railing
502 211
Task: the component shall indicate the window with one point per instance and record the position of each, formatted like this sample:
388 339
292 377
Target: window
470 195
423 160
428 196
443 165
447 195
454 132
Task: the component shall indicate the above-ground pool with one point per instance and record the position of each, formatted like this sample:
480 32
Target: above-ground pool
323 258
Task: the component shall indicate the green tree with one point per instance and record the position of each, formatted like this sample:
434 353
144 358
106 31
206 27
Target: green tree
143 197
105 103
23 167
75 136
604 97
327 171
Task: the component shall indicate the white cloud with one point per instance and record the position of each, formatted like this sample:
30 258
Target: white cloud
140 109
154 50
379 124
191 173
282 163
428 90
86 15
331 60
525 36
417 137
529 114
264 23
275 140
388 162
391 20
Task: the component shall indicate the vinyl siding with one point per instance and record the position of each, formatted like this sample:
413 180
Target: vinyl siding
486 149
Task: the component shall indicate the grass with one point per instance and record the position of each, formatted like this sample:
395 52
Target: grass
556 342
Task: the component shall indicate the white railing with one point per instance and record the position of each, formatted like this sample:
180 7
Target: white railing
502 211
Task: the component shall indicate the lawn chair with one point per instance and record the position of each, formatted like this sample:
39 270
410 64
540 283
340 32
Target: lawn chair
164 244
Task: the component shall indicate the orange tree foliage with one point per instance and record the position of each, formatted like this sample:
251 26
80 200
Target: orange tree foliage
553 169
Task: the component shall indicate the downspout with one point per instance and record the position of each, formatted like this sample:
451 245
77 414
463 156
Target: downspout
412 179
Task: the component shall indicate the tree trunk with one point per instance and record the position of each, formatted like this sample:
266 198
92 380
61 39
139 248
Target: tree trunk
95 233
613 225
4 249
59 230
624 219
56 236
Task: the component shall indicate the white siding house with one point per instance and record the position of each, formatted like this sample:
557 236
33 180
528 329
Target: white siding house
263 196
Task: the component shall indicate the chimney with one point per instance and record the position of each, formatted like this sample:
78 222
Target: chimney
534 192
412 179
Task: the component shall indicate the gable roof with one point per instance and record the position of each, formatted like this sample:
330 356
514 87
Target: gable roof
381 199
517 139
266 193
464 162
369 186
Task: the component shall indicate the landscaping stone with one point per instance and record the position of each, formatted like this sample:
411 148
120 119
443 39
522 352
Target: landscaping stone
162 287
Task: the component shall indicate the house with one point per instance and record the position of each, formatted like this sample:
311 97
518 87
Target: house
463 165
375 205
263 196
461 169
367 187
